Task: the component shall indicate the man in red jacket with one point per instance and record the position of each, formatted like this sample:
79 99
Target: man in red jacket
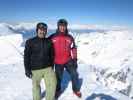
65 57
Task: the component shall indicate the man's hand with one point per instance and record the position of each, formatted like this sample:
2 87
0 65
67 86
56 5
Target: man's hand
75 63
28 74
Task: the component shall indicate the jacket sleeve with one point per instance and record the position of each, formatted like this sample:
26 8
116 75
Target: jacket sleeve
27 54
52 52
73 50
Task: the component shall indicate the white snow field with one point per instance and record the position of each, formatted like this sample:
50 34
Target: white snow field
105 63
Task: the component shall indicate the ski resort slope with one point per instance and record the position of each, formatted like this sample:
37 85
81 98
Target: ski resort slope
96 52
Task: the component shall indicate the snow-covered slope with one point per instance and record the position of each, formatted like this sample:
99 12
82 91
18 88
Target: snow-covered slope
110 56
13 83
10 48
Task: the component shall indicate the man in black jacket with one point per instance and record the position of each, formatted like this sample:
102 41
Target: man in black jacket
38 62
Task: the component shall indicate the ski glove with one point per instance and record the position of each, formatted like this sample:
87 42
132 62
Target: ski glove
75 63
28 74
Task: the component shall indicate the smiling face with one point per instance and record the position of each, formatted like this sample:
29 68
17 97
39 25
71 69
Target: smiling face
62 28
41 33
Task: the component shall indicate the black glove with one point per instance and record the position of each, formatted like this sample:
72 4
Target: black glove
28 74
75 63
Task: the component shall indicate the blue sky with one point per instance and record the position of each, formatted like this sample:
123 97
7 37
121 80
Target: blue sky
104 12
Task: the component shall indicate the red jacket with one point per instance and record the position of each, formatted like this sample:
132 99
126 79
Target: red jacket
64 48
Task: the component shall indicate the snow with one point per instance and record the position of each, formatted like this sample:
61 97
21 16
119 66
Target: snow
32 25
100 57
9 48
13 83
96 27
110 52
107 50
5 29
25 26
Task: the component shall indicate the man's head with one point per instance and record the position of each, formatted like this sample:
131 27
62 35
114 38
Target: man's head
62 26
41 29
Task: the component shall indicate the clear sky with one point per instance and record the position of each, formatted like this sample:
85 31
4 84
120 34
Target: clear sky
110 12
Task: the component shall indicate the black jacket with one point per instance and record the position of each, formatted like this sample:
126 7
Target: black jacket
38 54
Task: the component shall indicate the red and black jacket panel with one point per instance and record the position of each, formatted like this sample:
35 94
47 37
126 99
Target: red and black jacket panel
64 48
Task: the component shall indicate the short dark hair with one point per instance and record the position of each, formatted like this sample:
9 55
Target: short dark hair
41 25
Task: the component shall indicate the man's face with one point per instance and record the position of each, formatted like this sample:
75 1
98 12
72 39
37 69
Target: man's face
62 28
42 32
